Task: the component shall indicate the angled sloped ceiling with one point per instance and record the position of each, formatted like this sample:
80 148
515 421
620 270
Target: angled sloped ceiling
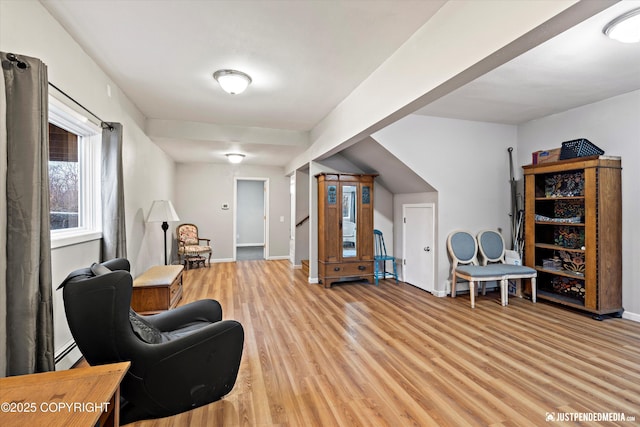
371 157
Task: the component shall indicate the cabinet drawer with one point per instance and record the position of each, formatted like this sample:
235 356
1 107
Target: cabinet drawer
175 293
349 269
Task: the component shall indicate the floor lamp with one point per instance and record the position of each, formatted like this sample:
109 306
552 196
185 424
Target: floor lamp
162 210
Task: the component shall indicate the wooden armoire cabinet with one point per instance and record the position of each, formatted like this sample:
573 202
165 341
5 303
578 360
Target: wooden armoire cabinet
345 227
573 232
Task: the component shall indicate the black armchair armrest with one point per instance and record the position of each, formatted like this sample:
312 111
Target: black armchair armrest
169 378
117 264
206 310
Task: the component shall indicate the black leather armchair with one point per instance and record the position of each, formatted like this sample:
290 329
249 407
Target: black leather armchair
180 359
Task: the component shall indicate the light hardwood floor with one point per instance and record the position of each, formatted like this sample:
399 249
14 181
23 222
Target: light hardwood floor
393 355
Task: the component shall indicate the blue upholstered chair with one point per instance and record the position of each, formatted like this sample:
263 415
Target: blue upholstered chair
380 259
463 250
492 251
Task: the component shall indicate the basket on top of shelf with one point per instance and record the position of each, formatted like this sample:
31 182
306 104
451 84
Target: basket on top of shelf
579 148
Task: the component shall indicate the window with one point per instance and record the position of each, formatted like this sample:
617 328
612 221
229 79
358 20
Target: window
74 176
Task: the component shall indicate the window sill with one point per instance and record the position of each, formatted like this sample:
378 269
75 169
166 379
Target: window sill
62 239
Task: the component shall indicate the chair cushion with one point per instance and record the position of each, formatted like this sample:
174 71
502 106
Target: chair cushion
143 329
463 246
152 335
184 331
188 234
492 245
194 249
480 271
514 269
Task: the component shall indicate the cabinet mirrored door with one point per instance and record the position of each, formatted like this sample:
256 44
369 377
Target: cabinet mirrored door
349 221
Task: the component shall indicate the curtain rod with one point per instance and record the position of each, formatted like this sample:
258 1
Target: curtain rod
103 124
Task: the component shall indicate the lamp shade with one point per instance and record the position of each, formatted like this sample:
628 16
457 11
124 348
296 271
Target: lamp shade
232 81
162 211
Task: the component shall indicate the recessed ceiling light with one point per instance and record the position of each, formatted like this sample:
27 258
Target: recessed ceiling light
625 28
232 81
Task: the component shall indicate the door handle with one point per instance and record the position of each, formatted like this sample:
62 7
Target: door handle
427 249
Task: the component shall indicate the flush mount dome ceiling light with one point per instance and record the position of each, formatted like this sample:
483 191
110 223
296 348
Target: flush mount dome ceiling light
232 81
235 157
625 28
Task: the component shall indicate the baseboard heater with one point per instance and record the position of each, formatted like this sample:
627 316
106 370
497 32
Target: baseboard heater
65 352
67 357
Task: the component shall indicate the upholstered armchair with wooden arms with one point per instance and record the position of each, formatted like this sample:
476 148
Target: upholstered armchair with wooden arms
190 244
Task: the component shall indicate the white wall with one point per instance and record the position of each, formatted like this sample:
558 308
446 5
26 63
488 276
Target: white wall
201 190
614 126
27 28
467 163
383 216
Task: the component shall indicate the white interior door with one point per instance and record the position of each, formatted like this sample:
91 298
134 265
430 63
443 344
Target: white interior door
418 245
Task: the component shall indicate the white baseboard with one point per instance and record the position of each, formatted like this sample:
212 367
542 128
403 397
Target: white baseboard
217 260
464 287
279 257
631 316
242 245
314 280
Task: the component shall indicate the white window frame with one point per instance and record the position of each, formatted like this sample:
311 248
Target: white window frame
89 200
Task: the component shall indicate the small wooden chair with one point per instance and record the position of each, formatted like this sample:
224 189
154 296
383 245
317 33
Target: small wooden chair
189 243
380 257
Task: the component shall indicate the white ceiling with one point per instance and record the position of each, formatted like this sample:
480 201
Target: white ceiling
304 58
578 67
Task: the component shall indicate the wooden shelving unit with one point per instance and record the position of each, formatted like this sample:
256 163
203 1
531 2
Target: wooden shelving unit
573 232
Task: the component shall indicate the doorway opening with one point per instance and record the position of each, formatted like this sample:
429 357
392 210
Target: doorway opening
251 219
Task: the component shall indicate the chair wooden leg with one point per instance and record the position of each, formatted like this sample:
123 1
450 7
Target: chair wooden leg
533 289
453 286
504 292
395 271
472 292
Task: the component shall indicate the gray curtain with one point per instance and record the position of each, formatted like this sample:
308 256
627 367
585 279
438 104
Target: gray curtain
114 243
25 297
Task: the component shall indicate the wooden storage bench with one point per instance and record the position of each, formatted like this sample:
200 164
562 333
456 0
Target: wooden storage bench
157 289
